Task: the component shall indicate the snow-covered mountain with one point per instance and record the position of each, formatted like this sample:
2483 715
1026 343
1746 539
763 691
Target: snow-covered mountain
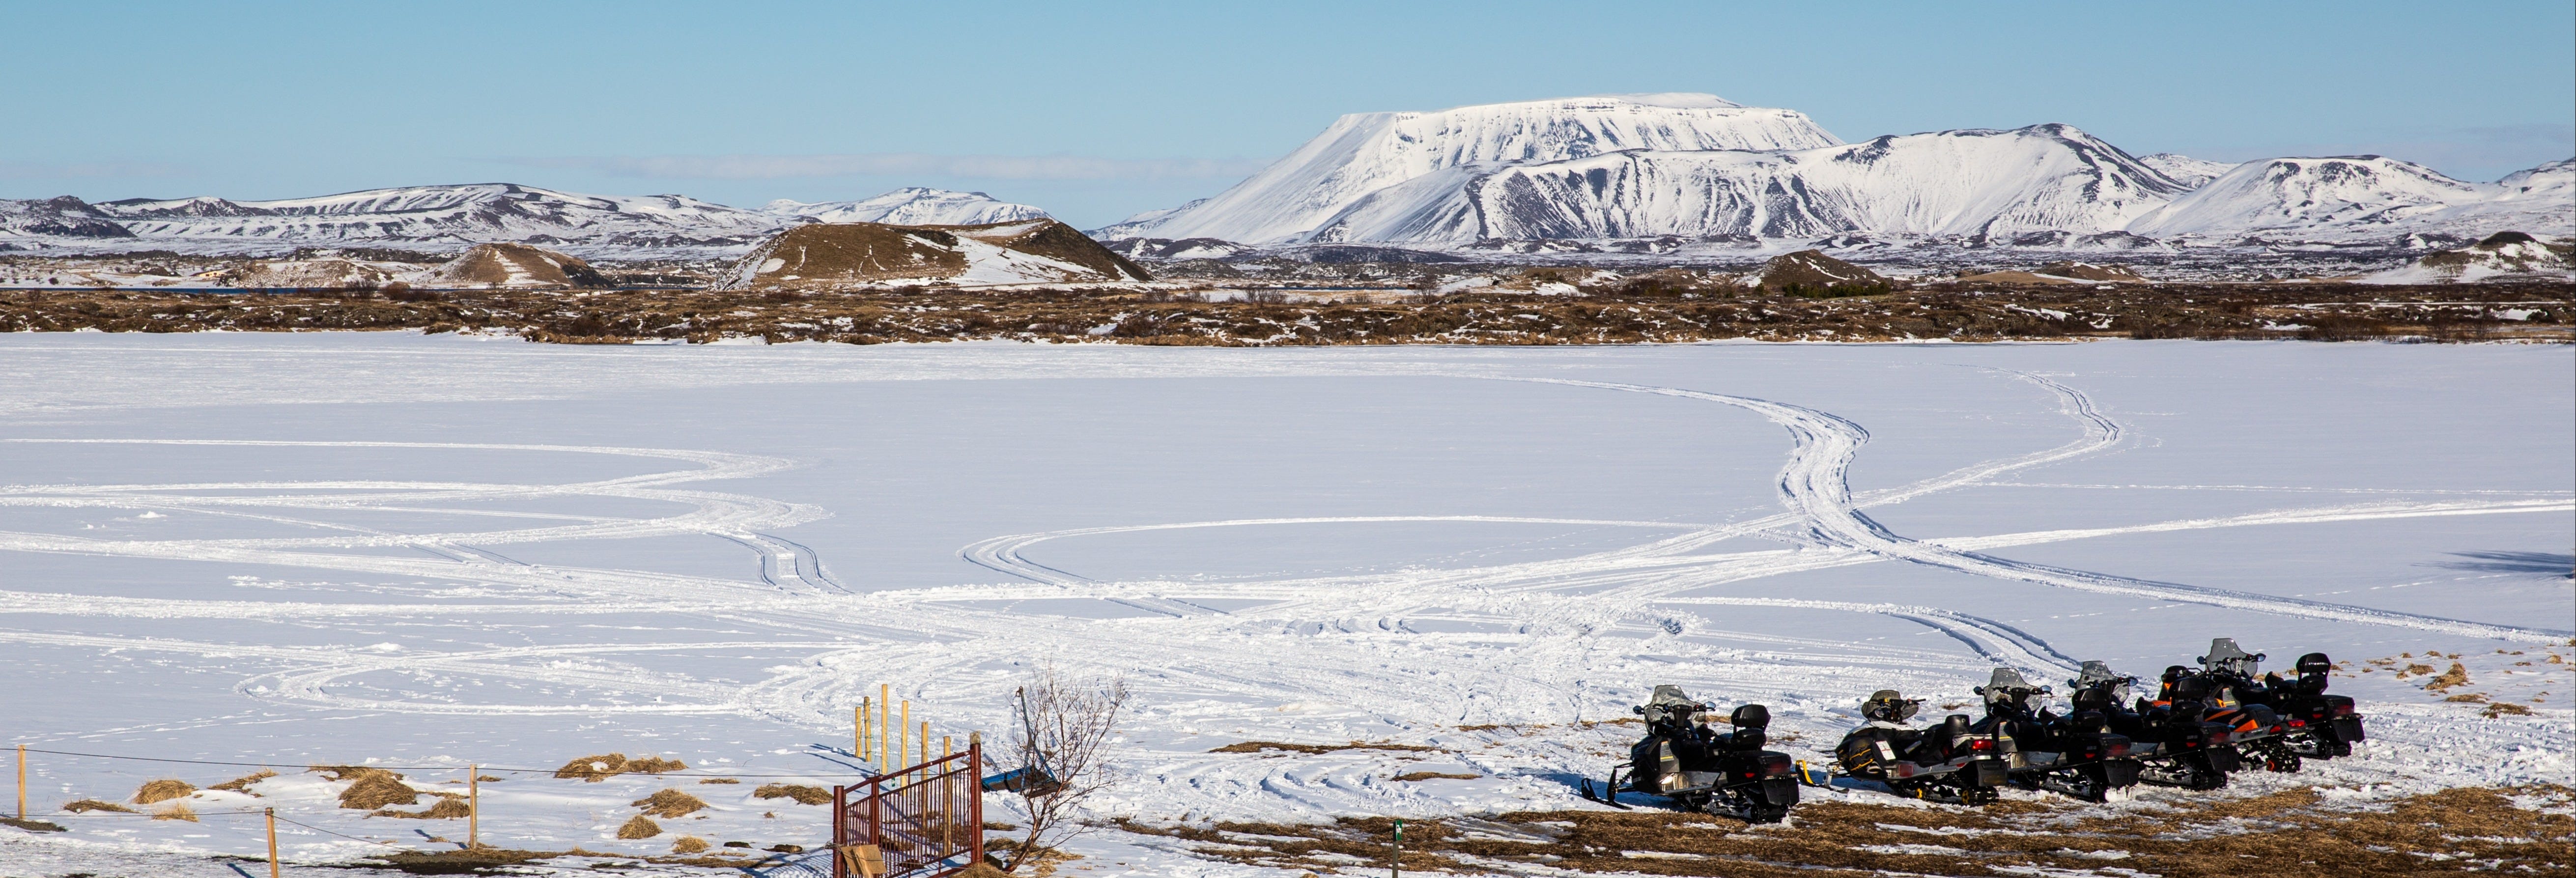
1681 167
2184 169
443 216
1386 176
1976 184
2364 198
453 217
910 206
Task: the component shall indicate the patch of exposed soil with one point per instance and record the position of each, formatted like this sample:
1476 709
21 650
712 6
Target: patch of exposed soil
1614 314
2295 833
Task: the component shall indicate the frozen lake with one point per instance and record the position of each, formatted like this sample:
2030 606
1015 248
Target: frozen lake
428 551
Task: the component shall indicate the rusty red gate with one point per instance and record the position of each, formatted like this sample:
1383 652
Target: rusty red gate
927 820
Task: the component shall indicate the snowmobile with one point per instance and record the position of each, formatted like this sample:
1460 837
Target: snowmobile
2193 751
1681 758
2313 725
2073 754
1950 762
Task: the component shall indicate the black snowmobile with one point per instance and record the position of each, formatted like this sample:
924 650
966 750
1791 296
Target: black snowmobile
2193 750
2073 754
2312 724
1949 762
1683 759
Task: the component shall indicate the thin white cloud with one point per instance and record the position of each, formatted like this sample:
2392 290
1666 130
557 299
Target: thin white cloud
901 164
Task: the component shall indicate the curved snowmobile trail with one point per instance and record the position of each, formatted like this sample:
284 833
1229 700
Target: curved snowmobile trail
1502 640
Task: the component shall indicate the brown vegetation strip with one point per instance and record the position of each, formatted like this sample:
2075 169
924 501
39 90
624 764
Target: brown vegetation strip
2291 833
1651 313
804 795
1259 746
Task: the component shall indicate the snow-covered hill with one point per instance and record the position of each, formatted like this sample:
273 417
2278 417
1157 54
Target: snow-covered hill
437 218
909 206
2364 198
422 217
1393 176
2184 169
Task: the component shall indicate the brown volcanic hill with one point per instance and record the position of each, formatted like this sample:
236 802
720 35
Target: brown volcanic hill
1811 271
513 266
836 255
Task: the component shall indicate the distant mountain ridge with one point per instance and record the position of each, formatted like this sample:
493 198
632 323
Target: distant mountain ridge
1624 167
1662 175
458 216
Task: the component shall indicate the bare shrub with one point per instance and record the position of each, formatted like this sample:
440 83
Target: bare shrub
162 791
689 844
176 811
640 827
670 803
1064 731
804 795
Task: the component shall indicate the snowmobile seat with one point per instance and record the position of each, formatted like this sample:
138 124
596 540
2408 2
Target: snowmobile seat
1750 716
2313 669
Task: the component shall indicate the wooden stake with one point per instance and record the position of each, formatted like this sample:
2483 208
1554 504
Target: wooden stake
859 730
885 708
924 748
22 781
272 842
903 733
473 807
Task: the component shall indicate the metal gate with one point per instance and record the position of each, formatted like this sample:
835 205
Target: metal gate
927 820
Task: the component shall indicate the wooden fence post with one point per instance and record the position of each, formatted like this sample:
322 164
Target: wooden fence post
272 842
22 781
885 711
903 733
473 807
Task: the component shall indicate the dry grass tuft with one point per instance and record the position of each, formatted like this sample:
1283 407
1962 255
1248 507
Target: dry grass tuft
175 811
373 788
640 827
2457 676
449 806
2506 708
689 844
242 784
804 795
670 803
654 765
719 780
594 769
85 806
1435 775
162 791
1310 749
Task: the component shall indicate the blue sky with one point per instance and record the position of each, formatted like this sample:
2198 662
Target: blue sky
1097 110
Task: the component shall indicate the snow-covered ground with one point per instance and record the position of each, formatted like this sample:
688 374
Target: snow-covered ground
427 551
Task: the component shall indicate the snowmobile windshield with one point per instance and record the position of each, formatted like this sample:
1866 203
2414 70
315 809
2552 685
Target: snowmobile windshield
1669 704
2225 657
